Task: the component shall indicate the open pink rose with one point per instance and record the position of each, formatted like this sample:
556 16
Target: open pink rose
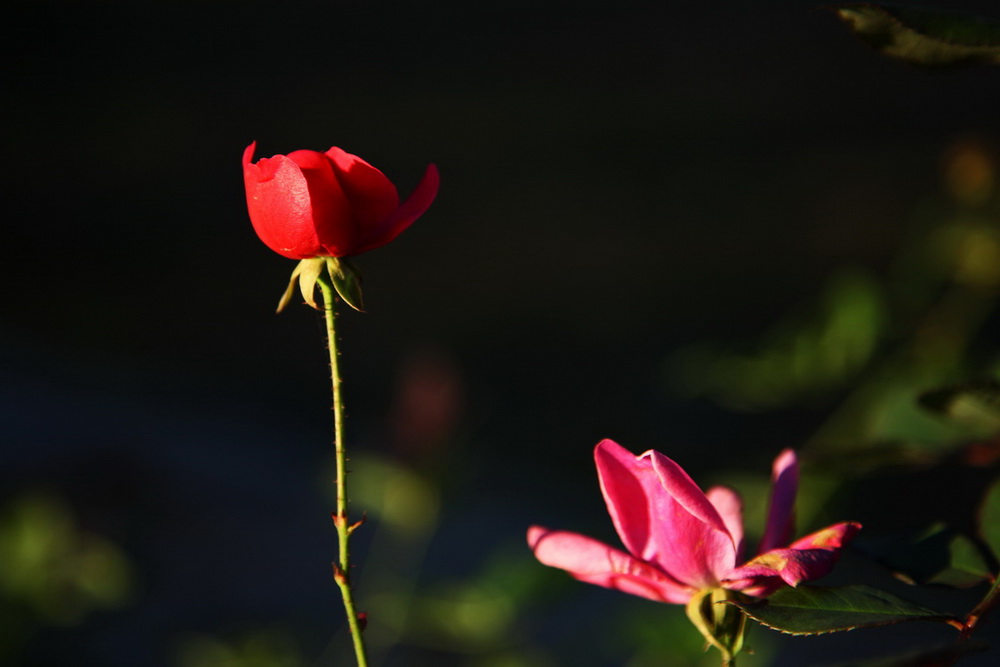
680 540
308 204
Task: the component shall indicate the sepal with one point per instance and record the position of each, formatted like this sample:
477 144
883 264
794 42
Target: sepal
343 274
723 625
306 272
346 277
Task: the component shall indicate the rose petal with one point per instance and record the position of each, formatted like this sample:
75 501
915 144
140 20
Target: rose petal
691 540
807 559
730 507
415 206
597 563
621 477
793 566
337 226
831 537
373 197
662 516
781 511
279 205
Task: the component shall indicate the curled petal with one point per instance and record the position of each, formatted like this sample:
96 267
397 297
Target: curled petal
831 537
594 562
781 512
692 541
807 559
791 565
626 482
279 205
663 517
372 196
248 153
415 206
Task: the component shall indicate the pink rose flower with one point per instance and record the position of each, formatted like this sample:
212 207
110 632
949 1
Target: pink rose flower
680 540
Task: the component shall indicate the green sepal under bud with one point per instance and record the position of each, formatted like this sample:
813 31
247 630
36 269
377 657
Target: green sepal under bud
346 277
343 274
723 625
305 274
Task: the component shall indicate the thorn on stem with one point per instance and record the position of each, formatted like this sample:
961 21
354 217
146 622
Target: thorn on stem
357 524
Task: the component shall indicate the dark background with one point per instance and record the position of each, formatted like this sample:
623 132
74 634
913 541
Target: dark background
618 180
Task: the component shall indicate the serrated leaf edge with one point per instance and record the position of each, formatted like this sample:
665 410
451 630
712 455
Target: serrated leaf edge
932 615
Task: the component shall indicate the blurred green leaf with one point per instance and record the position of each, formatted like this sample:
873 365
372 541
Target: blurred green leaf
933 555
914 556
989 519
808 610
56 569
261 648
924 36
944 654
808 354
967 567
976 403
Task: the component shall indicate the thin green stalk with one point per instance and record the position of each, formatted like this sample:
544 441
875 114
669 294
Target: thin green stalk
985 605
342 569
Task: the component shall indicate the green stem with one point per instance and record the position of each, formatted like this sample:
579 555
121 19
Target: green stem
985 605
342 569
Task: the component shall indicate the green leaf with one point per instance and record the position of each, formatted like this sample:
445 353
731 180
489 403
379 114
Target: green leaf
346 277
966 567
924 36
933 555
989 519
976 402
814 610
914 556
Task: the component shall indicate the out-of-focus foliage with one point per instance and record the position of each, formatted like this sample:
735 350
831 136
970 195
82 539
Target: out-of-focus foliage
653 637
943 654
977 403
476 615
802 357
989 519
266 648
52 572
58 571
918 391
934 555
924 36
878 344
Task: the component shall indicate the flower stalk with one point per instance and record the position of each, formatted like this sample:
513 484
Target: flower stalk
342 568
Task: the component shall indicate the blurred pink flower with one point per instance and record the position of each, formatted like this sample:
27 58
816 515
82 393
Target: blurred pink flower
681 540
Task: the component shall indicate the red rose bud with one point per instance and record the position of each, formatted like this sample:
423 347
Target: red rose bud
308 204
